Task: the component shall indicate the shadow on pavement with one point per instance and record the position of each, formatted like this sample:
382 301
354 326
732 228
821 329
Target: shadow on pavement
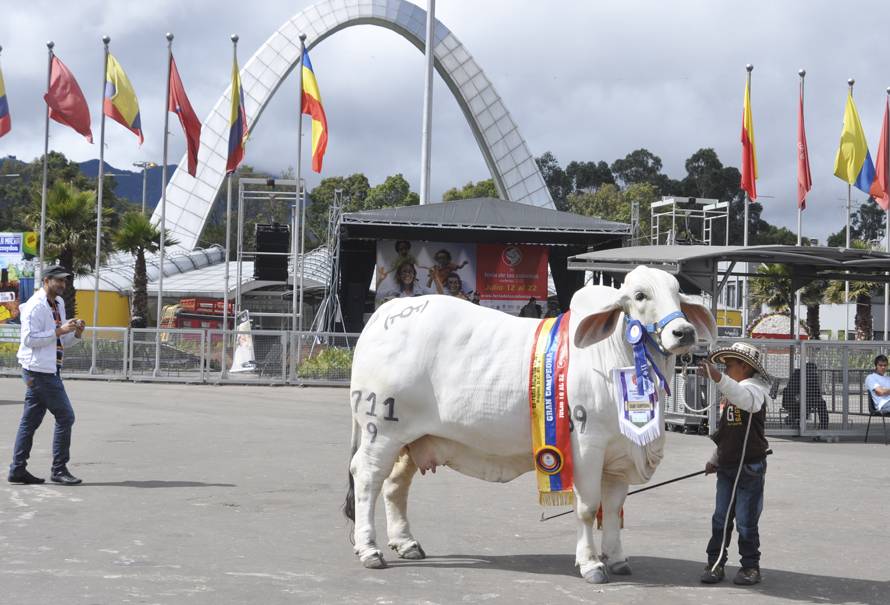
155 484
11 402
663 572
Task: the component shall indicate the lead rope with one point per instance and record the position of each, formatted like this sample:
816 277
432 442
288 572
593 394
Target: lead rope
685 360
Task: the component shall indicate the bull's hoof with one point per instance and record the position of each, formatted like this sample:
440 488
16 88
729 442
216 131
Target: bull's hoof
374 561
414 553
620 568
597 575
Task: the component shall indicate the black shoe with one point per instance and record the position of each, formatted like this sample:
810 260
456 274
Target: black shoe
25 477
712 577
747 576
65 478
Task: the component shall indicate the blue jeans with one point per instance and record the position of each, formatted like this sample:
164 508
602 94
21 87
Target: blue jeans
745 512
44 392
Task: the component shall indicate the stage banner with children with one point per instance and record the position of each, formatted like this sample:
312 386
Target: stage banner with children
17 252
509 276
412 268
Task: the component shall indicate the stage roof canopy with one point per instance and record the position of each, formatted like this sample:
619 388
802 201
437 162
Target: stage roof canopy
698 264
480 220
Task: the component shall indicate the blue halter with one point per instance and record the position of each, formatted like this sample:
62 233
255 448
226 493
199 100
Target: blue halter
638 335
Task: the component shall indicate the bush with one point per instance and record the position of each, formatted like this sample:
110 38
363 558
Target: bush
329 364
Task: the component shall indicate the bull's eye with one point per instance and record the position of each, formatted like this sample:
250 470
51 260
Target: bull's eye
640 296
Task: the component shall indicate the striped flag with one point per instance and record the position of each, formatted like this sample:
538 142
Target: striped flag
121 104
238 131
5 120
311 106
749 153
880 187
853 162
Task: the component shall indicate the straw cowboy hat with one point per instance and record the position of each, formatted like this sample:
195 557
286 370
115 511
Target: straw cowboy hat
743 352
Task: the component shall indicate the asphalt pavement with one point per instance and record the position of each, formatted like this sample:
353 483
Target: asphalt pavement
231 494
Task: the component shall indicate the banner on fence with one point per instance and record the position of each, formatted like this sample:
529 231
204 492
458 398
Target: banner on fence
243 359
17 251
512 278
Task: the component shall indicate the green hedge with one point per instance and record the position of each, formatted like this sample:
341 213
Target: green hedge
331 364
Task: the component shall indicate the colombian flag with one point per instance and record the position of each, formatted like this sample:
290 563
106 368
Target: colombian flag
311 106
237 123
121 104
749 153
853 162
5 121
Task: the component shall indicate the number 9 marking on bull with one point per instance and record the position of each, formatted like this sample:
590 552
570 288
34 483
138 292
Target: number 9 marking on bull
372 430
580 414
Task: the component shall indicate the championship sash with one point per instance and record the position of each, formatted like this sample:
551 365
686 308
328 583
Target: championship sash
550 415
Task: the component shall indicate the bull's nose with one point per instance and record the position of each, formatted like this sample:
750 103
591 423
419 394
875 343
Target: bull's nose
685 335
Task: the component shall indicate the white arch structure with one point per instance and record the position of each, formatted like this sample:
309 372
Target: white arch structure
513 168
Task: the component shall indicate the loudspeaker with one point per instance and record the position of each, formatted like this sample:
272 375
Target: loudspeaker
271 238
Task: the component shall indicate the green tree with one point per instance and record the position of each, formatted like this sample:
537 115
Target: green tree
471 191
614 204
812 296
71 232
866 224
137 236
353 193
393 192
589 176
861 292
639 166
558 182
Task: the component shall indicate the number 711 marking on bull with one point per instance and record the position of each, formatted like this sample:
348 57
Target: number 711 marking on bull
389 405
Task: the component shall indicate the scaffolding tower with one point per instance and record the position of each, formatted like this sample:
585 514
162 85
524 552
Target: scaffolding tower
687 220
329 314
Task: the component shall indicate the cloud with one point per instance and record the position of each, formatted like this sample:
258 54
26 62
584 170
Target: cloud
585 80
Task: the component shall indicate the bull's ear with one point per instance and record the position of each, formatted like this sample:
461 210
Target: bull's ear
595 313
700 317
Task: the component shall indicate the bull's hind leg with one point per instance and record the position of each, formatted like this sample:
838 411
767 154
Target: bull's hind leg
370 466
395 499
614 493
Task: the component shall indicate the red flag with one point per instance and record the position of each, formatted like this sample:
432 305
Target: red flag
804 179
66 102
880 187
179 104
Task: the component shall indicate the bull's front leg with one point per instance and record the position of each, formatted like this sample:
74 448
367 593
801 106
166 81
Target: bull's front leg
614 493
588 488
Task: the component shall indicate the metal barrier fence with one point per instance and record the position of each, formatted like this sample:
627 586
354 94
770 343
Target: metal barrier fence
832 374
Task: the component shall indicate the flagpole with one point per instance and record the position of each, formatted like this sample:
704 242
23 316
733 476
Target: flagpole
745 311
802 73
887 238
295 309
106 40
850 83
426 147
223 364
49 70
160 300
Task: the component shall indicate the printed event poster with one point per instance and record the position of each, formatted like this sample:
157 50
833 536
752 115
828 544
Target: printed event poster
509 275
411 268
17 251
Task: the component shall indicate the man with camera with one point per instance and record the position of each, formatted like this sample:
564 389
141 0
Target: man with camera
45 333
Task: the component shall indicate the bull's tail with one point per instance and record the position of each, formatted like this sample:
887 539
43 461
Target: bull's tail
349 504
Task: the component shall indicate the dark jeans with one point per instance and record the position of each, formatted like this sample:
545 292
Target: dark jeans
44 392
745 512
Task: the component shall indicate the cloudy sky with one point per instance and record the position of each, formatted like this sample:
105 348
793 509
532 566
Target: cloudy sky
586 80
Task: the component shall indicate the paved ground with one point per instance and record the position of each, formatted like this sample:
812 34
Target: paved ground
202 494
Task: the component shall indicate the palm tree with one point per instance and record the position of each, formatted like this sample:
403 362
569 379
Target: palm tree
71 232
137 236
772 287
812 295
861 292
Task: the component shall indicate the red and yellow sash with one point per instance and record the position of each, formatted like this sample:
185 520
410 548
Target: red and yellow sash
550 413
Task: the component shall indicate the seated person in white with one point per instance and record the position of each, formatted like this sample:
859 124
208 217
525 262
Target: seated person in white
878 384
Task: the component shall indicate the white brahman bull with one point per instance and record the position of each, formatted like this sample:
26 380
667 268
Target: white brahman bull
438 381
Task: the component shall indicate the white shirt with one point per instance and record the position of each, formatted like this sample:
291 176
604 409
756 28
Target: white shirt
37 351
882 402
